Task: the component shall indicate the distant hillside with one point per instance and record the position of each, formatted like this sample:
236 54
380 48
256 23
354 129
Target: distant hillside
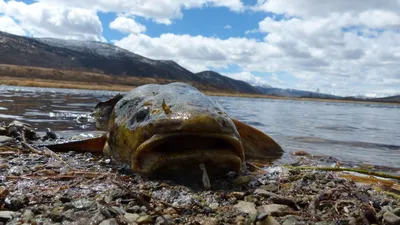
293 93
103 58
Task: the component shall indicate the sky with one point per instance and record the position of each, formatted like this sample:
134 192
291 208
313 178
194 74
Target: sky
338 47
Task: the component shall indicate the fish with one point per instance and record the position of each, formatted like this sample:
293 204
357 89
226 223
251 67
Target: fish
173 129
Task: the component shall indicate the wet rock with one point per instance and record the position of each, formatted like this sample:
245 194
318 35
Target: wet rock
268 221
239 195
3 131
242 180
391 219
8 215
396 211
83 204
247 207
273 187
264 193
109 222
14 203
274 209
131 217
161 221
144 219
5 140
28 215
50 134
291 219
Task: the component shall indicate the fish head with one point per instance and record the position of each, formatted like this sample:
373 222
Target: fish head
172 129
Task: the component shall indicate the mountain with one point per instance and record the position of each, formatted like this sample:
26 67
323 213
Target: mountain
104 58
268 90
226 82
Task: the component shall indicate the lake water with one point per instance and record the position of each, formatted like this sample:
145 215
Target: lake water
353 132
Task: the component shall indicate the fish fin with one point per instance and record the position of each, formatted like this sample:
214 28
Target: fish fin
102 111
256 144
93 145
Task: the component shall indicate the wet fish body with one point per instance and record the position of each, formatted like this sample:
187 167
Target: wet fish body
172 129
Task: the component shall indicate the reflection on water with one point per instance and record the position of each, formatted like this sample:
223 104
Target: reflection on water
368 133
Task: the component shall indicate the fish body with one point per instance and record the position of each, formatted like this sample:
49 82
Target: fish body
174 128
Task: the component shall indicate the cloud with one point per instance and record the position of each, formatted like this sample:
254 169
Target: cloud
249 78
7 24
127 25
42 20
161 11
227 27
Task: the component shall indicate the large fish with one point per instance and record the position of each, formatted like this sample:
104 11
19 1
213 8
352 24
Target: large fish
174 129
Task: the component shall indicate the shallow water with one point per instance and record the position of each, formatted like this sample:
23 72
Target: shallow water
355 132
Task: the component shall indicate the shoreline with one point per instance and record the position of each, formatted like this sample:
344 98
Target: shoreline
47 83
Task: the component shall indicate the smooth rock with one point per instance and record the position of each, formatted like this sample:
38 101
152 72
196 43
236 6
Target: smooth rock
111 221
214 206
396 211
7 215
28 215
247 207
331 184
161 221
264 193
274 209
268 221
390 218
273 187
131 217
5 139
144 219
239 195
3 131
291 219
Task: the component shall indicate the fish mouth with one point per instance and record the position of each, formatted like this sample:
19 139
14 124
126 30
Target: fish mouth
182 153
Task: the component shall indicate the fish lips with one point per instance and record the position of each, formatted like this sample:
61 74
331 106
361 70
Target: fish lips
182 153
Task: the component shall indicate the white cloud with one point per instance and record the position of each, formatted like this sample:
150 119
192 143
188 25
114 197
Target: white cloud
127 25
7 24
227 27
42 20
249 78
161 11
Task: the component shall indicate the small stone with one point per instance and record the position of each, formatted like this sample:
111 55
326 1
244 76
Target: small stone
331 184
264 193
131 217
247 207
291 219
214 206
14 203
144 219
273 187
175 204
27 216
5 139
238 195
274 209
268 221
262 217
7 215
242 180
3 131
16 170
396 211
83 204
390 218
111 221
170 211
161 221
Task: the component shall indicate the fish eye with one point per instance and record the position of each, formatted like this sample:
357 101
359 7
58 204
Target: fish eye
141 114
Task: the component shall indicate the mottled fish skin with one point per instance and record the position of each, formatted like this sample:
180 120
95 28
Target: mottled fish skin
176 114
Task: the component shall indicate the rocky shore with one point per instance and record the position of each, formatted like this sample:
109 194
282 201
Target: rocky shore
43 187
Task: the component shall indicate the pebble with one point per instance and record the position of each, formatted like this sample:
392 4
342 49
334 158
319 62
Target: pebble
390 218
144 219
7 215
331 184
273 187
239 195
247 207
170 211
396 211
214 206
112 221
131 217
27 216
161 221
5 140
264 193
274 209
291 219
268 221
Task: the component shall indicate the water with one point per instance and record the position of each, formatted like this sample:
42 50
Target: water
355 132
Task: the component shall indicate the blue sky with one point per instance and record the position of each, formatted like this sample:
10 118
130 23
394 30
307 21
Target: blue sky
337 47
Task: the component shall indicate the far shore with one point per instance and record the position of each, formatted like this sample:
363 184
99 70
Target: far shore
64 78
32 82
